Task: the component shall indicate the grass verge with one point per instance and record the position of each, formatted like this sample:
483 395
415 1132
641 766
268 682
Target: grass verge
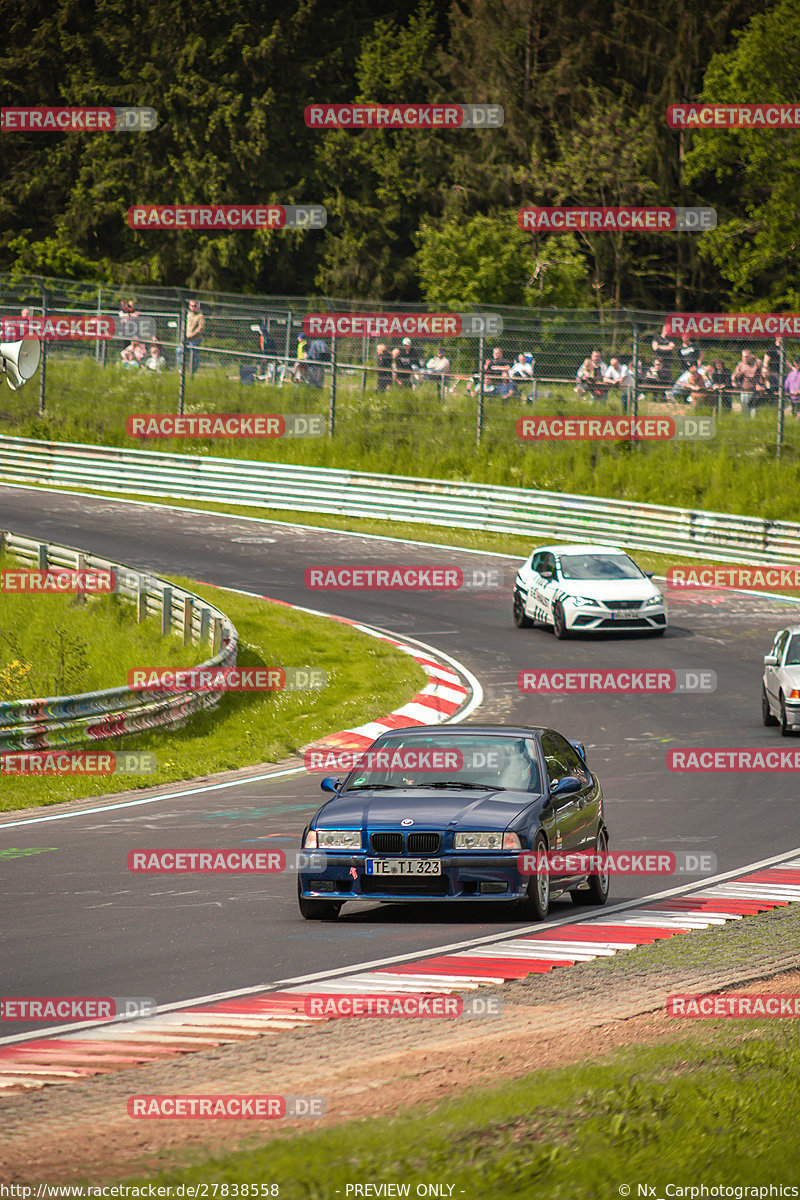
719 1105
365 679
419 434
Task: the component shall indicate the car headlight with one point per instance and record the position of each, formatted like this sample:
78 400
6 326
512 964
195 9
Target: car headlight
584 602
659 599
337 839
486 841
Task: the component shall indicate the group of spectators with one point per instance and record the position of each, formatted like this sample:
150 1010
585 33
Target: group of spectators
135 355
678 373
501 377
405 366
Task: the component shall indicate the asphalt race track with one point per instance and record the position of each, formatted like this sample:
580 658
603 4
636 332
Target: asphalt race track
75 922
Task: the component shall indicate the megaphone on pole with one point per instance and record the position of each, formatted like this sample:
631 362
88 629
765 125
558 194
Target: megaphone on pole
20 361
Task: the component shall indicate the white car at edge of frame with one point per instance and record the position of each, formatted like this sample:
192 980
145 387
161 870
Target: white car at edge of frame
587 588
780 684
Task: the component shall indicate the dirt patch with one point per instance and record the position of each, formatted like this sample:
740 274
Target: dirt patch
369 1068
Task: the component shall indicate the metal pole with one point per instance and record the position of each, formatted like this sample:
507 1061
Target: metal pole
182 371
287 349
779 429
43 362
479 430
332 405
634 402
99 313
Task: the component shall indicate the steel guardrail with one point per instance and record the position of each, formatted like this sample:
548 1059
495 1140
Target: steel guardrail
530 513
54 721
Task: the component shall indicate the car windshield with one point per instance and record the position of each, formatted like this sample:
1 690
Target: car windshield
793 652
599 567
442 762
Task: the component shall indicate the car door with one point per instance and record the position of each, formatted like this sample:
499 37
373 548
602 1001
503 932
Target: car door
772 673
563 817
543 585
588 800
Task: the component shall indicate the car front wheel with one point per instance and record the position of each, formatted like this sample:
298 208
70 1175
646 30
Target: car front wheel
785 730
599 885
559 622
317 910
766 711
520 619
536 904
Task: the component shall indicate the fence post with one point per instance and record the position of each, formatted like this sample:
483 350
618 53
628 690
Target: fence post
188 606
332 405
779 428
97 342
216 635
182 369
634 403
43 360
166 611
287 347
479 429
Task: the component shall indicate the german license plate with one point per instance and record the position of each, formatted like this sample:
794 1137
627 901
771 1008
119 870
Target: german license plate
404 866
623 612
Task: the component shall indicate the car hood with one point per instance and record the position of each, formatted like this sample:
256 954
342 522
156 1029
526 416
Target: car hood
610 589
428 808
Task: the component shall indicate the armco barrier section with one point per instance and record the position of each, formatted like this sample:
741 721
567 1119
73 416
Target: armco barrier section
536 514
66 720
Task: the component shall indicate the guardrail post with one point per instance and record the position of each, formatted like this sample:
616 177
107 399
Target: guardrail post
204 623
41 556
188 606
166 611
216 635
141 600
80 594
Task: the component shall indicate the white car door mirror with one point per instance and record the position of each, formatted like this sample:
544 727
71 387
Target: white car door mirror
770 660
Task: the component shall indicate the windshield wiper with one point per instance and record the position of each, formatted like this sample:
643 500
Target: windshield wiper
459 783
375 787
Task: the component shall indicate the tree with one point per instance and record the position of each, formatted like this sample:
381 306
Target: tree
755 246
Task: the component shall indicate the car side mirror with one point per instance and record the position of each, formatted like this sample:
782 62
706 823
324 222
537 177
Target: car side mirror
649 574
770 660
566 785
329 784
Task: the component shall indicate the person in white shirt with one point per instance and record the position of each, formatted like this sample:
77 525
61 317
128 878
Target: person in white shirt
618 374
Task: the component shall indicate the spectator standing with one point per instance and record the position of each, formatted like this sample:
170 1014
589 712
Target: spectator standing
384 361
318 354
791 386
664 348
405 362
690 356
745 376
269 349
720 380
195 328
300 367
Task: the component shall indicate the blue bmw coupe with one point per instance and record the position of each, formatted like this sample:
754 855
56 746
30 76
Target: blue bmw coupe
453 813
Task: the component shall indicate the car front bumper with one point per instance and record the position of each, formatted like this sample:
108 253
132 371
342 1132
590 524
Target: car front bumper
463 877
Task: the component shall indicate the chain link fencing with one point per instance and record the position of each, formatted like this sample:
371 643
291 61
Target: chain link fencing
451 393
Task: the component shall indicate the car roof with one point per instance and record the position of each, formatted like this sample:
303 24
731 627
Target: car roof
580 548
455 730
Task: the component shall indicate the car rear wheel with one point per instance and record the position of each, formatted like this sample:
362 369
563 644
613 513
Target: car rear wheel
536 904
559 622
317 910
520 619
785 730
599 885
766 711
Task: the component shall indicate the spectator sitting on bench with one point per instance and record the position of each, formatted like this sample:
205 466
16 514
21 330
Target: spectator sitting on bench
590 376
